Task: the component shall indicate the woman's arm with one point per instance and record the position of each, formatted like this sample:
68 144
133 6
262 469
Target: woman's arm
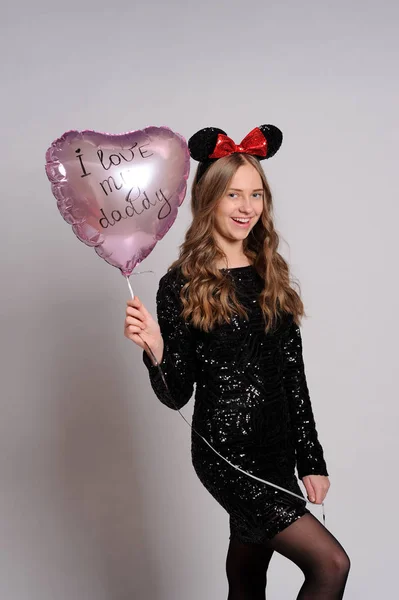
178 361
309 453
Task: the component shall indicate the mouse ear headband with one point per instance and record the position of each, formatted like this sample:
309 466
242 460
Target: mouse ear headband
211 143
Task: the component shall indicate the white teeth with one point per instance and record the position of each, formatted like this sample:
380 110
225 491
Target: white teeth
241 220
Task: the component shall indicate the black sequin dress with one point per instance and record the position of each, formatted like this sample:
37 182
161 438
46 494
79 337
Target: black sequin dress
251 404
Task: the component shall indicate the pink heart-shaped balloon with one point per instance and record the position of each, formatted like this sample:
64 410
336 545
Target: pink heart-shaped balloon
120 193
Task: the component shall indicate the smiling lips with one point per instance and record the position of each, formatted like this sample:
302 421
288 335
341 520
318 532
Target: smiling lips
241 222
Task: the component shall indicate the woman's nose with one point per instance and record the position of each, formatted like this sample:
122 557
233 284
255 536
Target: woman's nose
246 204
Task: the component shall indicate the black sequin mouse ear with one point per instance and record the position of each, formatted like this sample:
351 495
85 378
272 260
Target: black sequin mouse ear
274 138
203 143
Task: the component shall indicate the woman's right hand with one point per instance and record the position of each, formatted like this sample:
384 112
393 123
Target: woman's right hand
140 327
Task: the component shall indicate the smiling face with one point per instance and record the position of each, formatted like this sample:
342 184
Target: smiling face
239 209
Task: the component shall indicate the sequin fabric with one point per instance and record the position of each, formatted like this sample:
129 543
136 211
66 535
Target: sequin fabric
251 403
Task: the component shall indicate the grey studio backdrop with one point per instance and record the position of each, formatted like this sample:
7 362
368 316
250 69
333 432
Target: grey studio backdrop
99 500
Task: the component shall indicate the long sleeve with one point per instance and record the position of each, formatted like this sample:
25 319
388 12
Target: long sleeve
178 361
309 452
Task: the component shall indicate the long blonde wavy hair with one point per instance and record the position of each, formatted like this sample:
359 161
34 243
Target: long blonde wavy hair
208 295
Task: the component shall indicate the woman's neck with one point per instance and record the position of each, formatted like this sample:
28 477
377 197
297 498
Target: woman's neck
233 263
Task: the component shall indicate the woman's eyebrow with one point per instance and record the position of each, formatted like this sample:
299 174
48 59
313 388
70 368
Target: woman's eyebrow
238 190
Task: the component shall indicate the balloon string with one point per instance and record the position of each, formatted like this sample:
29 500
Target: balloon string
195 431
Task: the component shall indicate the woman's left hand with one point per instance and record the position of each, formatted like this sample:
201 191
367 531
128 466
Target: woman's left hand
317 487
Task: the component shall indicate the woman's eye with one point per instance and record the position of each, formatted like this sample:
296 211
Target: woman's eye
234 195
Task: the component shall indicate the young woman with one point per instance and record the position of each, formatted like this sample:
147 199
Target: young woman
228 321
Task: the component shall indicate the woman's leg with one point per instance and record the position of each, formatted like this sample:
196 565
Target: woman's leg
318 554
246 566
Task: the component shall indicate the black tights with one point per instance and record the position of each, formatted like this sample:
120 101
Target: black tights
308 544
